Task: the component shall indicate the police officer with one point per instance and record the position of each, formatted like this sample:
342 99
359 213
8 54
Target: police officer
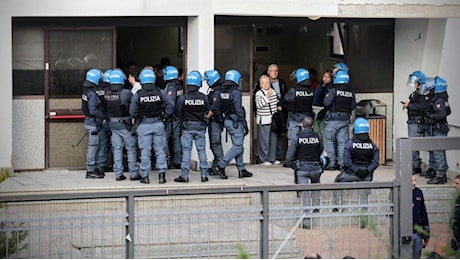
303 155
339 66
436 121
148 108
216 120
193 110
340 102
299 100
118 100
174 89
361 158
416 106
104 125
235 123
92 108
421 232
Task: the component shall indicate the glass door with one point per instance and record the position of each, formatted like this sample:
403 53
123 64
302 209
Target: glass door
70 53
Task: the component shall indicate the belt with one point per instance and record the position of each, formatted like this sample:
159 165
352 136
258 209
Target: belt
119 119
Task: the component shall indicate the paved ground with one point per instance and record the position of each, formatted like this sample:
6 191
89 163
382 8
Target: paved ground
54 180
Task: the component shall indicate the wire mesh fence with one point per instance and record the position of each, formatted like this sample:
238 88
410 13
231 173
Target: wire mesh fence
265 221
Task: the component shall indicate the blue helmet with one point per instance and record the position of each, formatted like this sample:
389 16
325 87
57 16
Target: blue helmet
117 77
361 126
300 75
147 76
234 76
427 85
341 77
416 76
341 66
194 79
440 85
170 73
93 76
211 77
106 76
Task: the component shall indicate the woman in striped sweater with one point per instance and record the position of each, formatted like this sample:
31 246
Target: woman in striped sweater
266 101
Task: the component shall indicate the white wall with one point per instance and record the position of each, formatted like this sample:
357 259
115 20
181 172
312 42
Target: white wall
409 53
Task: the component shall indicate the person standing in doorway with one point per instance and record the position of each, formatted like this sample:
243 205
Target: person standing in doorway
318 106
266 102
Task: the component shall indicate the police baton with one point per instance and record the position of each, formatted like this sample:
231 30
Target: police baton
81 140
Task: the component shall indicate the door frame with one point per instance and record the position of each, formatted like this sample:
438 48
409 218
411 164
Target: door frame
66 115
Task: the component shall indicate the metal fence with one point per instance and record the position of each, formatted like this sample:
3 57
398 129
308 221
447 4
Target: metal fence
263 222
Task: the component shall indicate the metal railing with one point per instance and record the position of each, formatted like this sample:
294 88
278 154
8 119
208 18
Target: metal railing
198 223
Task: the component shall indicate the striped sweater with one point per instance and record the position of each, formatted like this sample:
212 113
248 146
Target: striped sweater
265 107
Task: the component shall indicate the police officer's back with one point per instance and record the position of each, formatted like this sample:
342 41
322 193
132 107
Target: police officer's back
193 110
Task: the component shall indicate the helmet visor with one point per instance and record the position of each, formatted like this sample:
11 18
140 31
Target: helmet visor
427 86
412 80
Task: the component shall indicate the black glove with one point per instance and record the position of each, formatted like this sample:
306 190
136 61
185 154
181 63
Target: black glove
362 173
246 130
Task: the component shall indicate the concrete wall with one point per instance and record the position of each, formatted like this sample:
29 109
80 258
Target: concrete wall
410 54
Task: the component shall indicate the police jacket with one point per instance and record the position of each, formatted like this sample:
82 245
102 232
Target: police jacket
118 101
320 92
103 87
91 104
299 99
192 109
174 89
304 150
360 153
340 101
151 104
231 98
215 104
417 106
419 215
438 110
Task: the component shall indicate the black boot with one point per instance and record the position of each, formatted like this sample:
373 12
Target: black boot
418 171
222 173
145 180
430 174
181 179
162 178
94 175
212 171
436 180
244 174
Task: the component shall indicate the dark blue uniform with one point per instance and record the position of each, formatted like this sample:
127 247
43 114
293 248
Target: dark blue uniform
236 125
303 155
436 122
420 220
149 106
118 101
455 222
299 100
415 123
193 109
104 132
174 89
361 158
340 102
92 108
215 126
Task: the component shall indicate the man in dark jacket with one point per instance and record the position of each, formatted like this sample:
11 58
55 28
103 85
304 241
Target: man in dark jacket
421 235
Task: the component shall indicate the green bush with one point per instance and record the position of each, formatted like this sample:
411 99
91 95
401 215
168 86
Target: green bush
4 174
11 241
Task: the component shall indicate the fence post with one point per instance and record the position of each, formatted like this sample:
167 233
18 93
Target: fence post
265 221
130 227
